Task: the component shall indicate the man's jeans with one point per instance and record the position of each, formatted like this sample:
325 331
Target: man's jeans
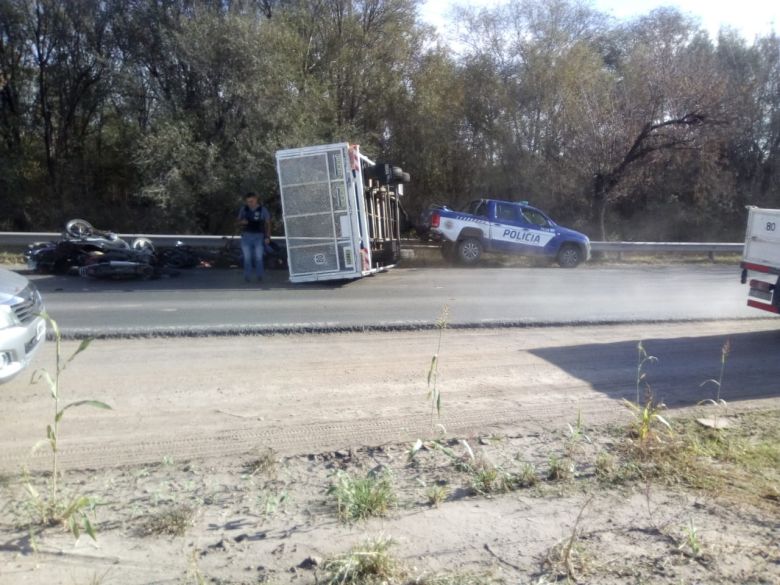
252 248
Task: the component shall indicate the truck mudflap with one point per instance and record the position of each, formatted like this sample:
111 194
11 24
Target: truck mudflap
762 294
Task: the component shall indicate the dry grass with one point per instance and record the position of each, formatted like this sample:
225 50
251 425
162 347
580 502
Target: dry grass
371 563
740 462
365 564
170 521
265 464
11 258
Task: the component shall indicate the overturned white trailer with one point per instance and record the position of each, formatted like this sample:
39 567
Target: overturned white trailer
762 256
341 212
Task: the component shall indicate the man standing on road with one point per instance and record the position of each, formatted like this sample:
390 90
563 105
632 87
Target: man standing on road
255 222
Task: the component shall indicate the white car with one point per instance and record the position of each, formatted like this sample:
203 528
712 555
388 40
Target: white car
22 329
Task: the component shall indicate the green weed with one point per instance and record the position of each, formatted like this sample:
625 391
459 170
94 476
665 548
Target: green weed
646 420
487 479
51 508
358 498
577 436
527 476
436 494
604 465
270 501
559 468
691 540
643 358
434 393
412 452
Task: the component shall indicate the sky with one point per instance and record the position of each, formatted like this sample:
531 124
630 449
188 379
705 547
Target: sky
749 17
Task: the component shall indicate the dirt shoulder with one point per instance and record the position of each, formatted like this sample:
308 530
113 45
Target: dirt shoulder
212 397
210 470
591 504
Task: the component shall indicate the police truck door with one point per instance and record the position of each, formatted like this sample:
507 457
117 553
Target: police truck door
508 231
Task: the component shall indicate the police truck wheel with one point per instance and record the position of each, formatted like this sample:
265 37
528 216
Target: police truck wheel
469 251
569 256
448 251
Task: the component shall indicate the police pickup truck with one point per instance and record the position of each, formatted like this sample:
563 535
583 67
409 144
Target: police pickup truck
488 225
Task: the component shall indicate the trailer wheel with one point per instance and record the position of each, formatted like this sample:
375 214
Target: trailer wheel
569 256
469 251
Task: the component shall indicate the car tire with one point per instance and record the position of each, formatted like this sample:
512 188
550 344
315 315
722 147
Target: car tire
569 256
469 251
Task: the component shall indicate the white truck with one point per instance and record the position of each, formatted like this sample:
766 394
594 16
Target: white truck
341 212
762 255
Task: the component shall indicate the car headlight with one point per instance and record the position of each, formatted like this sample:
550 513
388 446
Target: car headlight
7 317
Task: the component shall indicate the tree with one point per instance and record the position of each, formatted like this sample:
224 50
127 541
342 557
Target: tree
664 93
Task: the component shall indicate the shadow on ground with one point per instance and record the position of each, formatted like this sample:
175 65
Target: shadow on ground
683 364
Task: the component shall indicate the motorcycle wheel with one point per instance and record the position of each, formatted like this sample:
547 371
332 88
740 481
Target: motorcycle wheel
79 228
142 244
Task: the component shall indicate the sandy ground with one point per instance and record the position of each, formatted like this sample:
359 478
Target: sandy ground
187 398
189 415
243 526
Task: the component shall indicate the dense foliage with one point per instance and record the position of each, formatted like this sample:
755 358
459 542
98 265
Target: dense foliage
156 115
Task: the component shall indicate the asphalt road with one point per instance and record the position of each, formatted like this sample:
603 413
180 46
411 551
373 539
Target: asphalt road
220 301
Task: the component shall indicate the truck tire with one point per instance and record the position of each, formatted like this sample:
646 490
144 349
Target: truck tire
448 251
469 251
569 256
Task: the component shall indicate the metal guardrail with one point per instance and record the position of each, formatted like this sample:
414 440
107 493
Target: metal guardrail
20 239
651 248
25 239
620 248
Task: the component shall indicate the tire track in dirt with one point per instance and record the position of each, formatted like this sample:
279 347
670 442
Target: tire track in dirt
308 394
308 438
